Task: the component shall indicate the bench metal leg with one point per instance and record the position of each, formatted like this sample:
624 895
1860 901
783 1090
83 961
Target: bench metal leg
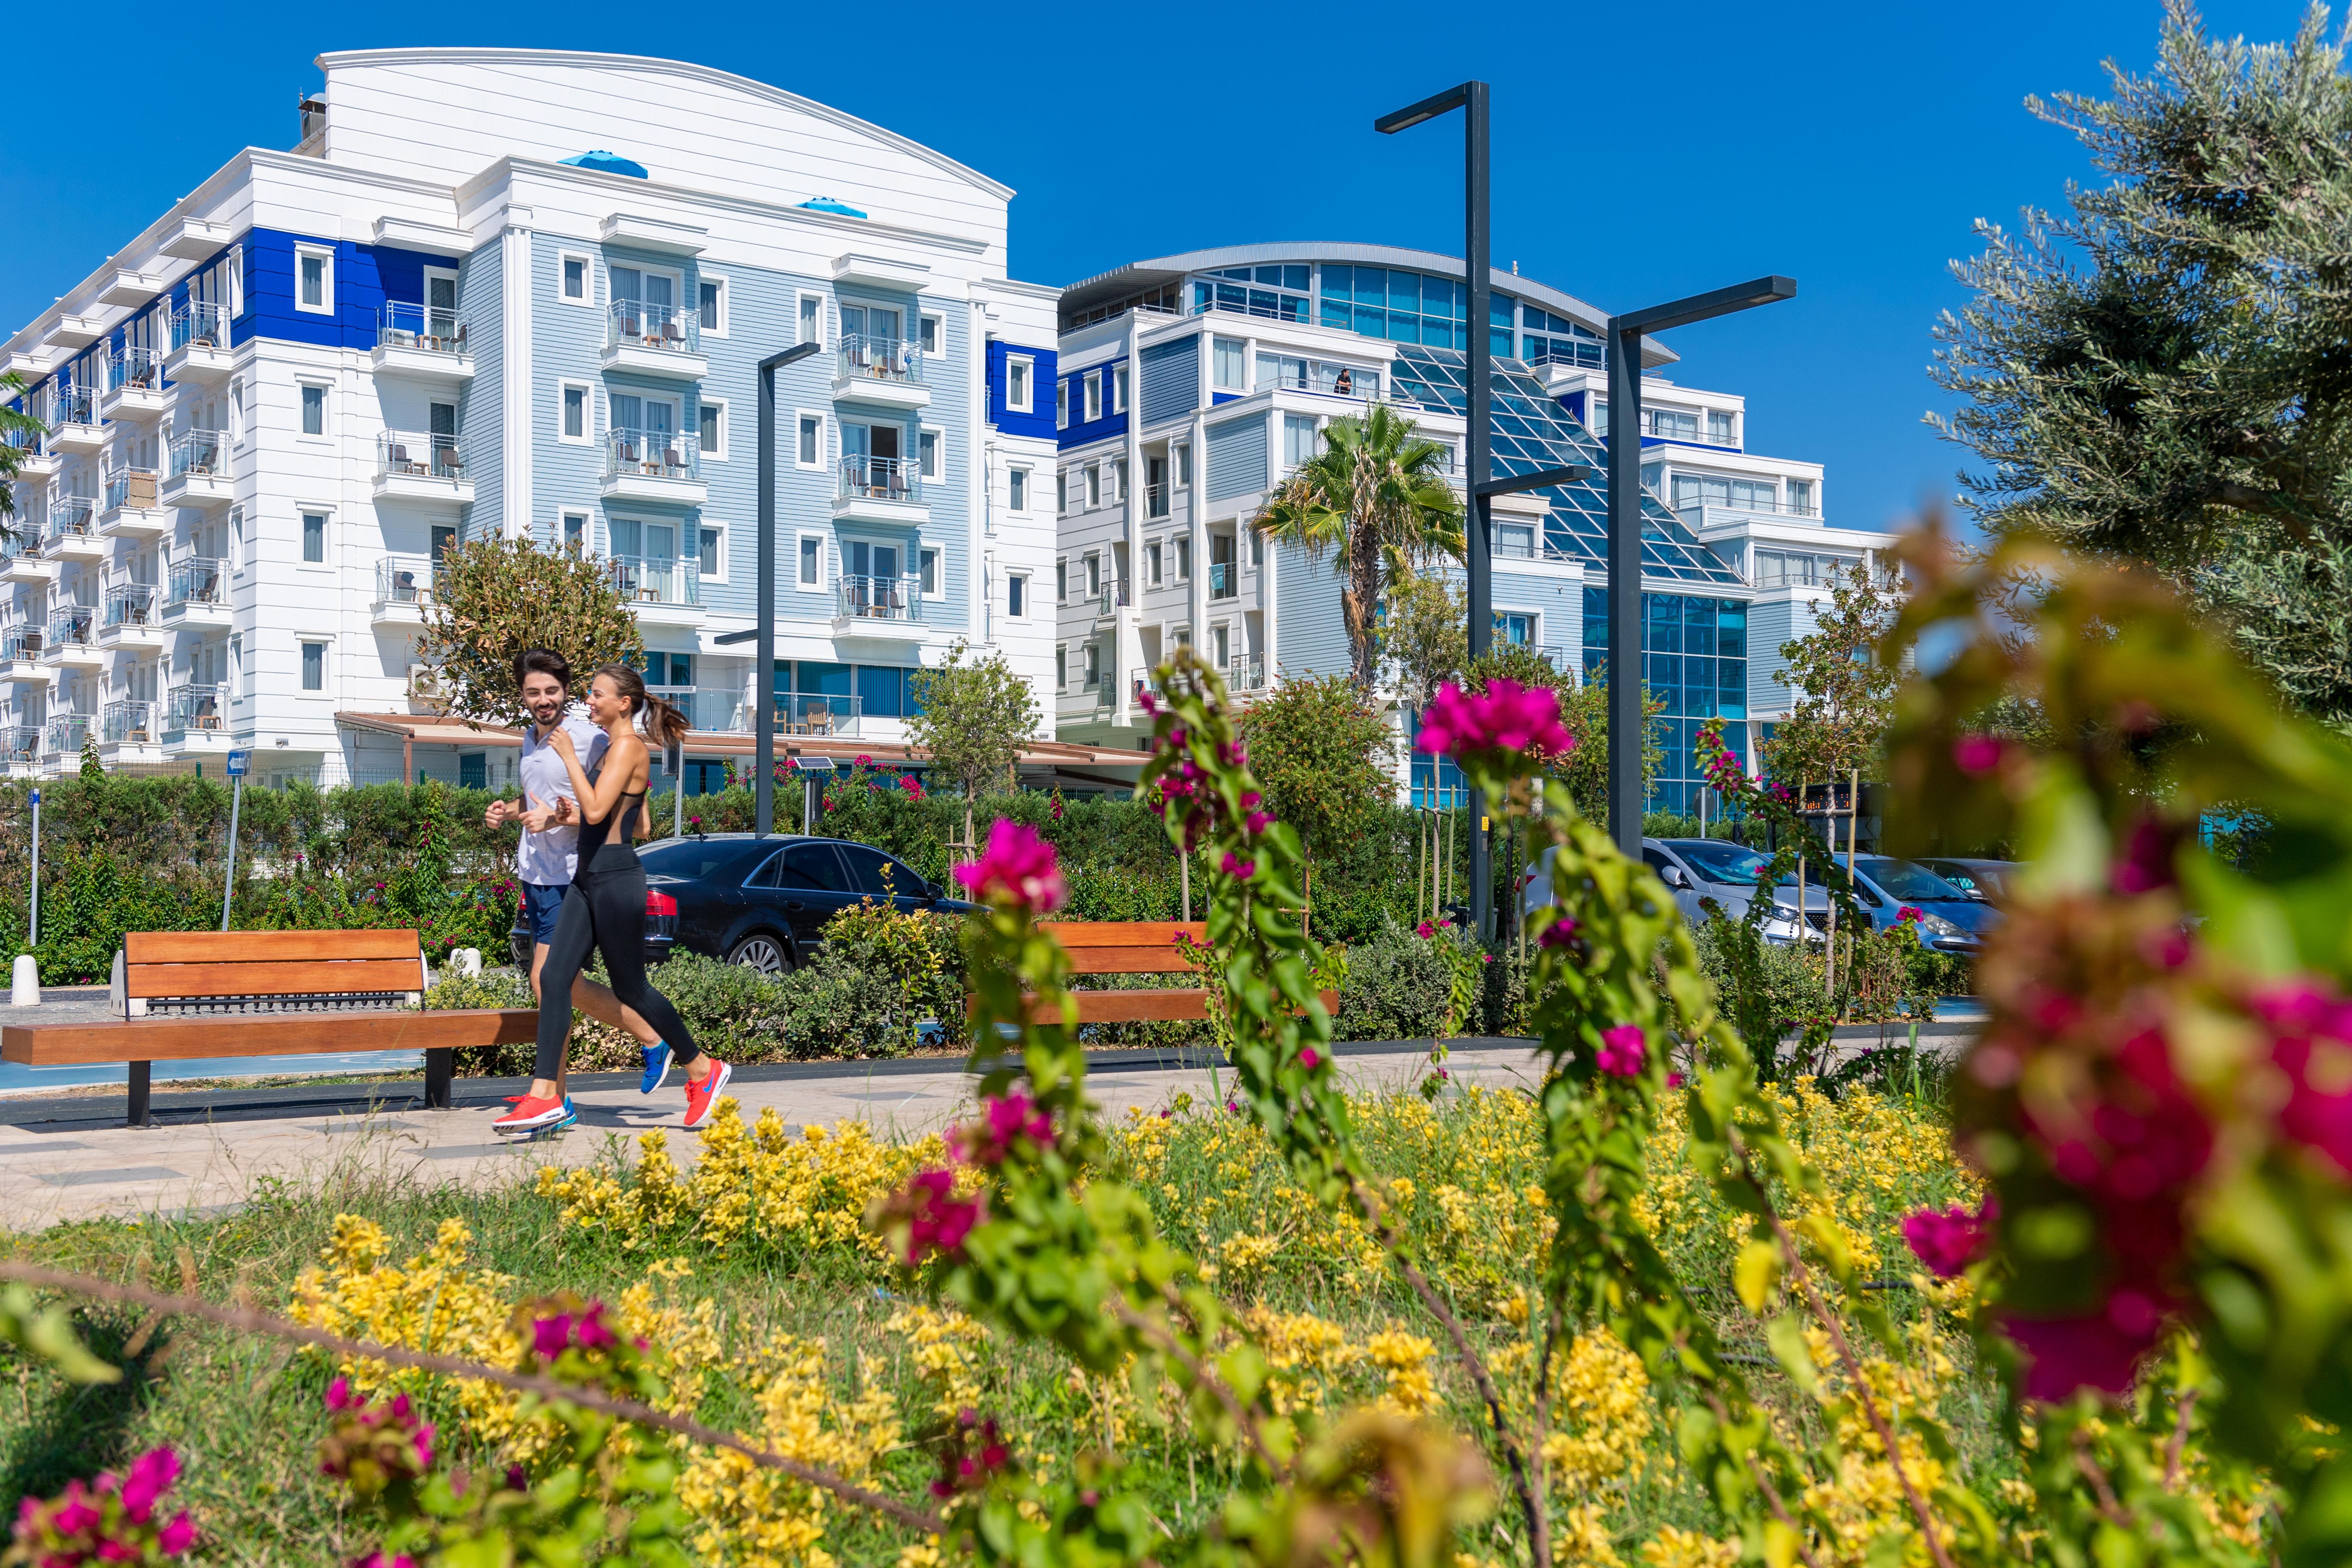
139 1085
440 1066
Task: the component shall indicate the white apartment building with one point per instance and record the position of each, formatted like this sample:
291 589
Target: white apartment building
1191 384
523 292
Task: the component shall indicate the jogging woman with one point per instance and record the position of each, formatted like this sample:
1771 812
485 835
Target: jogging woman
605 909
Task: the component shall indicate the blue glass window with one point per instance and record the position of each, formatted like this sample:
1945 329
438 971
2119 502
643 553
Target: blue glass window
1403 329
1404 291
1338 280
1441 297
827 679
1371 286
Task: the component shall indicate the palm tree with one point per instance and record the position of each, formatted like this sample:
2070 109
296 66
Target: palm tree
12 456
1376 495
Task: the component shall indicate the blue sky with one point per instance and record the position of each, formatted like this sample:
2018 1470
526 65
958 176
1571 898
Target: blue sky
1639 153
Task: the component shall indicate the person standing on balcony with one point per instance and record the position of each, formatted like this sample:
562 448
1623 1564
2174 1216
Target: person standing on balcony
548 857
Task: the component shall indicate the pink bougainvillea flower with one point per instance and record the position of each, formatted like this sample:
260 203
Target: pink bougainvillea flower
2146 864
1239 868
151 1476
550 1337
1424 930
1309 1058
178 1534
937 1220
863 761
1560 934
1946 1240
1673 1081
1622 1051
1019 871
1507 718
990 1140
2311 1043
1258 822
2091 1350
1910 912
1977 755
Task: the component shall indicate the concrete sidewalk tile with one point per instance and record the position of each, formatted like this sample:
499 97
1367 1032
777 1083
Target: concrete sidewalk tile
109 1178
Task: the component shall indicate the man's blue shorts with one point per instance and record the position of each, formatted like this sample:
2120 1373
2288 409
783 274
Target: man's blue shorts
540 907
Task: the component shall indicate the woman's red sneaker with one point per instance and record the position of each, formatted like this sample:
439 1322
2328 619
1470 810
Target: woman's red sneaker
701 1097
530 1115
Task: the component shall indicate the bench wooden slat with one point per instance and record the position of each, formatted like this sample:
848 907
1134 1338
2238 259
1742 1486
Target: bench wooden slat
1077 934
1130 961
319 977
263 1034
1130 1006
264 946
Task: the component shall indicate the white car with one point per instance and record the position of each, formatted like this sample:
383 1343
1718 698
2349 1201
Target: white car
1694 869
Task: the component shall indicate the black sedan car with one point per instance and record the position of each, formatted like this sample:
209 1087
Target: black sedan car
762 901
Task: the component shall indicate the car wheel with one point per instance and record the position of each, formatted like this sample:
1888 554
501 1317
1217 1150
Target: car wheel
763 952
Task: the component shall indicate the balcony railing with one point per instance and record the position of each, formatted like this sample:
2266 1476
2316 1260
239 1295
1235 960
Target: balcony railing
1769 508
72 405
22 744
1155 500
1246 674
657 580
1113 596
718 710
200 709
198 452
27 441
198 580
71 517
1291 373
872 598
880 478
631 326
199 323
652 455
809 713
67 732
868 358
1225 579
127 723
436 329
21 645
130 604
74 626
406 580
408 455
130 487
135 368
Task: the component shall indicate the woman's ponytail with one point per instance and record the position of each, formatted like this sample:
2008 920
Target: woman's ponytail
662 723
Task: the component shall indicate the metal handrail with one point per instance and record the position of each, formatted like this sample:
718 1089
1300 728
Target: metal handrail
130 604
71 517
652 455
657 580
21 645
631 323
1246 674
414 454
406 580
22 742
139 367
202 322
1155 500
1225 579
1114 596
198 580
66 733
869 357
74 626
715 708
201 707
880 478
436 329
879 598
199 452
72 405
132 487
1771 508
129 720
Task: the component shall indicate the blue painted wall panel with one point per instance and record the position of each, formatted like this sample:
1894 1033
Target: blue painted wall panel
1236 457
365 277
1039 420
1082 430
1171 380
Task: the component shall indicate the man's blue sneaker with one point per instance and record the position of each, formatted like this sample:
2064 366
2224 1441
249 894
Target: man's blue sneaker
657 1060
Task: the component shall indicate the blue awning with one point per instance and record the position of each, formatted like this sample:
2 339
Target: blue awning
610 162
827 205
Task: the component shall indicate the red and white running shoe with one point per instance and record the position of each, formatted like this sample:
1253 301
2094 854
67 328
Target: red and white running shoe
701 1097
530 1114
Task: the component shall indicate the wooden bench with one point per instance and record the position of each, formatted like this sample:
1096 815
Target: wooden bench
190 995
1134 947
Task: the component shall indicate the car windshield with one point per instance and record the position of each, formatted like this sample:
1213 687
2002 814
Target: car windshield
691 860
1726 863
1912 884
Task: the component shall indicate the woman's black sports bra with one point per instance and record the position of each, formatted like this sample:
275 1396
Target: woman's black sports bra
617 833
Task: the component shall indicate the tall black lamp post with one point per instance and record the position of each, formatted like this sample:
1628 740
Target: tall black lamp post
1627 722
763 707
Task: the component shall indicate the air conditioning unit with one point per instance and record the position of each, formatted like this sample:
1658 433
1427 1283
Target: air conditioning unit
426 689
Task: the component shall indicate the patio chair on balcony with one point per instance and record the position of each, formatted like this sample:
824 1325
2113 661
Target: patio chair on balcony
816 720
673 334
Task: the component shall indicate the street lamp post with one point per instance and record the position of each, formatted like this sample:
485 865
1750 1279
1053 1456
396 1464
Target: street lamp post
1627 722
764 704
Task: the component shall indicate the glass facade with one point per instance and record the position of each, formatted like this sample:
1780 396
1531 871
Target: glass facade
1693 657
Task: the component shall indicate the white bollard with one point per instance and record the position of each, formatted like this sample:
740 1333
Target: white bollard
467 960
25 982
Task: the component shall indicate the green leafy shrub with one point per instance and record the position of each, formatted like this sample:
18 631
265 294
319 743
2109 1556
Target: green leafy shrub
1398 986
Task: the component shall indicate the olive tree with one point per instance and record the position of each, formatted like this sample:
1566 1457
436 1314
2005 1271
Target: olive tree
493 597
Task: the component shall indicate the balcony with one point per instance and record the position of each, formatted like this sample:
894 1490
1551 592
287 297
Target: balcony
72 530
74 427
21 562
200 345
67 734
887 371
714 710
20 657
661 591
1246 674
422 468
654 340
76 330
1155 500
135 386
404 587
195 473
1113 598
131 508
1224 580
880 489
20 745
133 617
425 342
73 638
663 467
130 724
874 604
197 716
34 458
809 713
196 593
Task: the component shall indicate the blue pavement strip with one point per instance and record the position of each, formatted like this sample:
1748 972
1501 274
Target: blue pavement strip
16 1077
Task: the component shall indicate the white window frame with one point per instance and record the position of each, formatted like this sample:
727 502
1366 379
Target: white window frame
1061 579
1028 599
800 414
940 321
938 450
1535 620
721 530
1028 379
1061 492
236 409
1019 481
1091 406
587 301
587 529
1118 387
326 644
587 391
801 313
939 589
719 453
326 253
1061 667
1155 560
801 539
326 562
326 431
725 295
1094 486
1180 465
1061 402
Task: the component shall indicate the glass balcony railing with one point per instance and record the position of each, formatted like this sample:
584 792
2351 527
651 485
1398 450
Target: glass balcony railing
436 329
131 605
407 455
631 324
70 518
130 487
866 358
73 626
406 580
196 580
72 405
814 713
28 441
200 324
1155 500
198 452
127 724
136 368
1245 674
22 744
871 598
657 580
652 455
1225 579
717 709
1113 596
21 645
196 708
880 478
67 732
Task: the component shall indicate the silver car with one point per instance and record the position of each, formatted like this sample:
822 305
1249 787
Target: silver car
1695 869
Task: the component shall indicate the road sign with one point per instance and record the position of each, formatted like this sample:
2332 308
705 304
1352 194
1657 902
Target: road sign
237 762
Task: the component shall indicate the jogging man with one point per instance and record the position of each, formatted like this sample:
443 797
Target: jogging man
548 855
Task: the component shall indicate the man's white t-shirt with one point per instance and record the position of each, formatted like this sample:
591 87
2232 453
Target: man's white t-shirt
551 858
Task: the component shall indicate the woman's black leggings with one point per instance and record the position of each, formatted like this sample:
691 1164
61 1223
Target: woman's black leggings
605 909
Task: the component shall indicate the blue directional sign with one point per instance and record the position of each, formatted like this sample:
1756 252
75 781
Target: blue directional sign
237 762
